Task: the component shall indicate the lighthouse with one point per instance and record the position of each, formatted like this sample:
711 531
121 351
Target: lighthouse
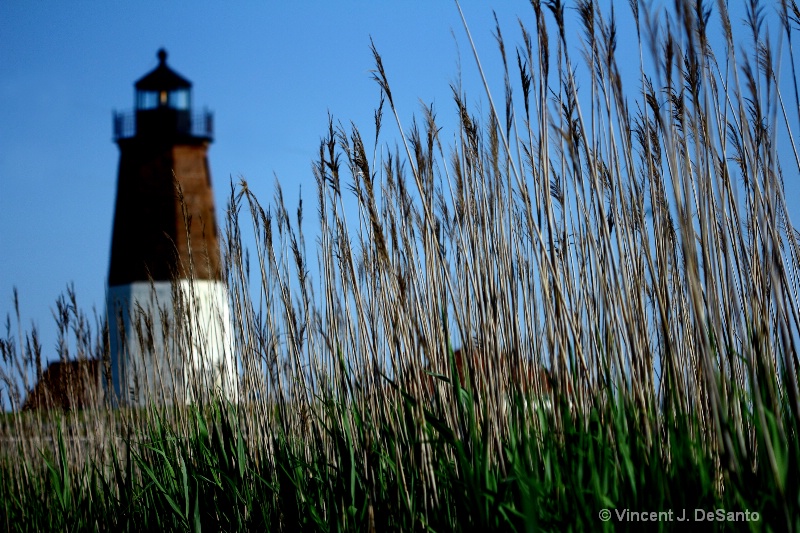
167 302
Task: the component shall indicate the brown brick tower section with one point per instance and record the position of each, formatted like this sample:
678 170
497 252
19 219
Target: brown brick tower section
163 150
150 238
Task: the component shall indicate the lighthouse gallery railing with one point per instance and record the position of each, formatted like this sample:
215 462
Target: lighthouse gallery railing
200 124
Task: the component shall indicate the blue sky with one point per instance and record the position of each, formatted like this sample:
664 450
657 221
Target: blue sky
271 72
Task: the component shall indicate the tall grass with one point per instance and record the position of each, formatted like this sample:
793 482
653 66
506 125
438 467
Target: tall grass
631 236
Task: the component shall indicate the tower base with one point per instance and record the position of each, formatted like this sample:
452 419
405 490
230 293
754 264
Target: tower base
171 342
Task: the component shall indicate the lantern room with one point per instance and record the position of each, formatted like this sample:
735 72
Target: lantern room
163 109
163 88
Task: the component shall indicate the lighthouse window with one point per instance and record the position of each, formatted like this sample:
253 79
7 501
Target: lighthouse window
146 100
179 99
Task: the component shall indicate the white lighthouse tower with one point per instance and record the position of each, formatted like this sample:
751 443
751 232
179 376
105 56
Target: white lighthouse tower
168 309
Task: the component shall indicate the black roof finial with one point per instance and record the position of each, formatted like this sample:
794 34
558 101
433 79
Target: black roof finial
162 56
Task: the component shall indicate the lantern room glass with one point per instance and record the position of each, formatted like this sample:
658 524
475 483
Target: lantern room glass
179 99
